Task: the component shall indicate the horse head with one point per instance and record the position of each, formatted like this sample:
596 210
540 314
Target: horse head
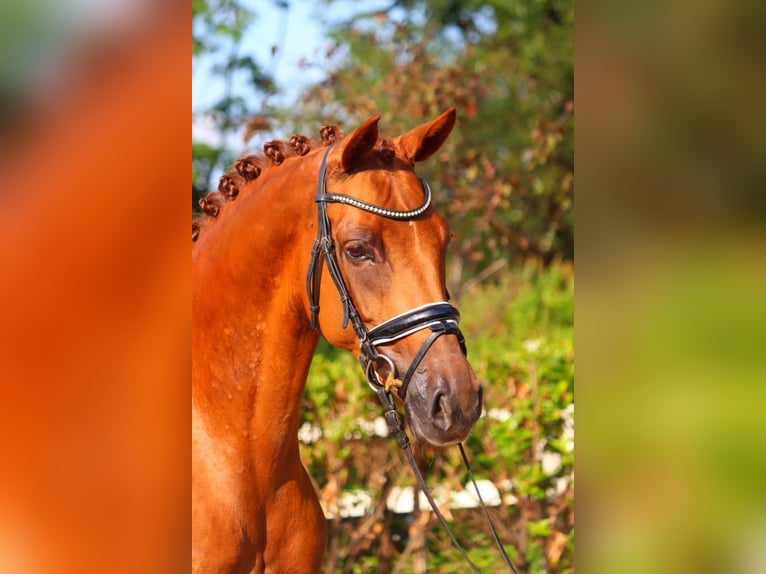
388 251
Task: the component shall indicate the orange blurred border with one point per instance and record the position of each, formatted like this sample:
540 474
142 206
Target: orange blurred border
94 306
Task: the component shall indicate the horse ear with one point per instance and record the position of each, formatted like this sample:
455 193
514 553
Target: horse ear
421 142
359 143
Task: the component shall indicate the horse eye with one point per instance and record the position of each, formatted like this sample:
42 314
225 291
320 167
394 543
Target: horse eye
357 251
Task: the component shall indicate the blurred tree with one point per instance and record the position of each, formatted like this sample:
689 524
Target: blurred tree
217 31
506 176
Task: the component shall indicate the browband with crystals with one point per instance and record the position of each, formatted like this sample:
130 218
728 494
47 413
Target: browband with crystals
377 210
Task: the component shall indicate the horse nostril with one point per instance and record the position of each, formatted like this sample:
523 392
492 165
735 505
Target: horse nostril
436 405
441 410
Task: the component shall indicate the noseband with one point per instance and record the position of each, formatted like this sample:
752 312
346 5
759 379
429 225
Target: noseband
440 317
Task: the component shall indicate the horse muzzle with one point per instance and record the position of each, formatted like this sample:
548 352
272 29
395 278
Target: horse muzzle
441 411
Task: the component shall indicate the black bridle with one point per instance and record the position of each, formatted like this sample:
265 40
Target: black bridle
440 317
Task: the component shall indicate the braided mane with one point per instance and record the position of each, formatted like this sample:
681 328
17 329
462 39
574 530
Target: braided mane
249 168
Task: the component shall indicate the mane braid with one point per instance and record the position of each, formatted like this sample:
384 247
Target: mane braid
212 203
249 168
277 151
301 144
227 185
330 134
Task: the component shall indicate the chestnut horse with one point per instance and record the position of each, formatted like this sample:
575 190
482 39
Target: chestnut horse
254 508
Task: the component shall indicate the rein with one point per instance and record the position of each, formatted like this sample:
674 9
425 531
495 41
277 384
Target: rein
440 317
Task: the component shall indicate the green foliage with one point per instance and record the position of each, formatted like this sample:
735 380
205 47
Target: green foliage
216 21
519 331
505 178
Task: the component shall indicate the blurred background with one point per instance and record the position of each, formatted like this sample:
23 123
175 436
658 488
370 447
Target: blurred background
671 314
505 182
94 286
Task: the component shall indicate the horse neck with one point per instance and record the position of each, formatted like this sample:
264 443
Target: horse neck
251 340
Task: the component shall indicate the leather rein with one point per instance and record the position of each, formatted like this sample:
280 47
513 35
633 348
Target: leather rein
440 317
